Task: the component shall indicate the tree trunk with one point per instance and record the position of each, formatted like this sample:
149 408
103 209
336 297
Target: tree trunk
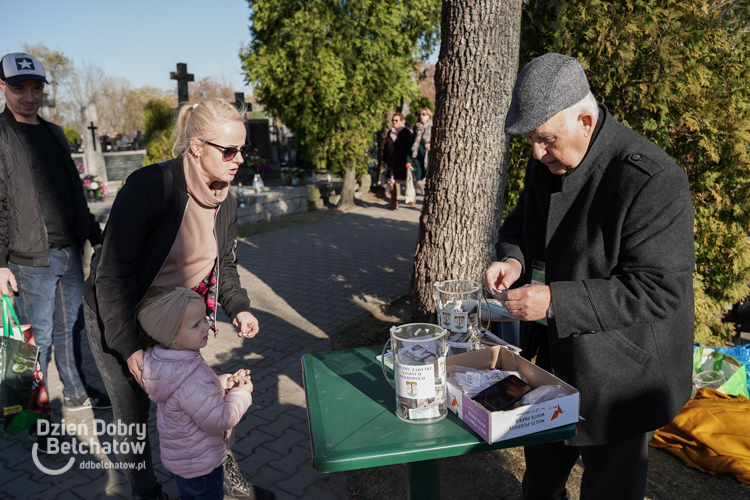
462 209
347 187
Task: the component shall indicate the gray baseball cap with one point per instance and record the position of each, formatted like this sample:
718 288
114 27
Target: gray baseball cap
545 86
18 67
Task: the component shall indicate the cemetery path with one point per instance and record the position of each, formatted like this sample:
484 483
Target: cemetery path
305 282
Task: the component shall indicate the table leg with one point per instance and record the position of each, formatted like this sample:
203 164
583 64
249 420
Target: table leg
423 480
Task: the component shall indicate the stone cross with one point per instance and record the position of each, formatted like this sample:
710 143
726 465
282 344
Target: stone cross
182 77
93 128
93 157
239 101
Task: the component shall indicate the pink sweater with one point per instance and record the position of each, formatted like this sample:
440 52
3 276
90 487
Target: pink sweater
196 416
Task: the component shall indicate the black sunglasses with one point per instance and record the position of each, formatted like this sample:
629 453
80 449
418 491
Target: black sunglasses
228 154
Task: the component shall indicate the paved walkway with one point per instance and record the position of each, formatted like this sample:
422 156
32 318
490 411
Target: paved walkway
305 282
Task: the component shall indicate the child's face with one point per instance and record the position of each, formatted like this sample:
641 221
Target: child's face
193 331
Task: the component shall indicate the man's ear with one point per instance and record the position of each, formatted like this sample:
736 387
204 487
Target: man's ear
588 123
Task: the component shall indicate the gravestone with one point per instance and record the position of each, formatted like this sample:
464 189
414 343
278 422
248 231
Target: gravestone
182 77
47 103
259 135
93 156
239 101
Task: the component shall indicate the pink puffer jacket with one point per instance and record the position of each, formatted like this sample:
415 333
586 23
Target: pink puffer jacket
196 416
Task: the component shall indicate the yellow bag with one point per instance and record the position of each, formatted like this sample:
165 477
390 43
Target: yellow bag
711 433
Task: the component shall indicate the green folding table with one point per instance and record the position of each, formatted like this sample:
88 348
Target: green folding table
353 425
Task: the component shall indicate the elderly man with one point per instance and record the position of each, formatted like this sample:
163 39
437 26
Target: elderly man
605 227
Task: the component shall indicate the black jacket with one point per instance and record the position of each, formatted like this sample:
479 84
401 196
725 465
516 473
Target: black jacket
23 236
396 152
617 242
143 225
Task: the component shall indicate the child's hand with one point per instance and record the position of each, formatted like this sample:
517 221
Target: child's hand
246 384
236 377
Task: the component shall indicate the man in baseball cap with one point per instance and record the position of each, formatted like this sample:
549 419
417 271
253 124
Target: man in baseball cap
44 222
605 222
19 67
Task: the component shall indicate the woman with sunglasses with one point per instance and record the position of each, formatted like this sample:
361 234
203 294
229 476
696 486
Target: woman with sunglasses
420 147
173 224
395 154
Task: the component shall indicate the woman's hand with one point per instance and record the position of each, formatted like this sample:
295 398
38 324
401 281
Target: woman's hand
427 147
135 365
247 323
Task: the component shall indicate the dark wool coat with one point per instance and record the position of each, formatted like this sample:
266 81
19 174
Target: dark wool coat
396 152
617 242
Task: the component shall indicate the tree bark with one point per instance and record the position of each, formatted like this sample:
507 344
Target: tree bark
346 202
474 79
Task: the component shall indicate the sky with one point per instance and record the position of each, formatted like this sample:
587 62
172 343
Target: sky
140 40
136 39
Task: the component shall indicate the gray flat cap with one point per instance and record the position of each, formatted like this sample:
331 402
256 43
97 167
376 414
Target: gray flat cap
546 86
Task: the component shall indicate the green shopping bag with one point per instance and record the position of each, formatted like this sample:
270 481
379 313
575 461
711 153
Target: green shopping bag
706 359
23 395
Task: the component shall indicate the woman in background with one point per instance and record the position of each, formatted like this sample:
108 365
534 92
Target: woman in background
420 147
395 154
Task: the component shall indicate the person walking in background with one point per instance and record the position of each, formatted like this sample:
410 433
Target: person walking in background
173 224
44 223
395 154
197 410
420 147
605 223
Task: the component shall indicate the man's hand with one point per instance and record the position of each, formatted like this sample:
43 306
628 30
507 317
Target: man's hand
135 365
247 323
6 277
527 303
501 275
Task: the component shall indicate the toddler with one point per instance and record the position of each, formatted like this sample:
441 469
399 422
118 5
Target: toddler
197 410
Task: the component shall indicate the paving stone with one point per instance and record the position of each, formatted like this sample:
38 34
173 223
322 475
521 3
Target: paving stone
297 399
292 458
278 426
272 413
22 487
248 424
266 477
247 445
304 477
286 442
260 457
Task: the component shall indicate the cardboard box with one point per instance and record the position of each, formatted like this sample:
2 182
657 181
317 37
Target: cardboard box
499 425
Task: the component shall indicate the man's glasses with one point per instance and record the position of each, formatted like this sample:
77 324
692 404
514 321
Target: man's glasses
228 154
